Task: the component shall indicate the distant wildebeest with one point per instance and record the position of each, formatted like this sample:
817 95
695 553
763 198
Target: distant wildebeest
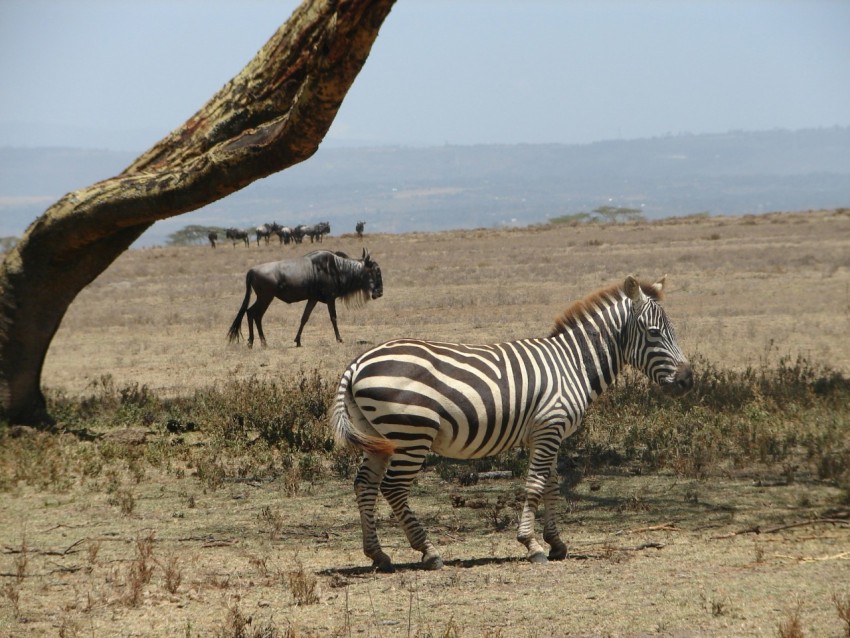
298 233
213 237
359 228
316 231
234 235
263 232
284 234
321 275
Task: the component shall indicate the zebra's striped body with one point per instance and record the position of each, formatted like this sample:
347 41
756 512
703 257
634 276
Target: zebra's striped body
406 398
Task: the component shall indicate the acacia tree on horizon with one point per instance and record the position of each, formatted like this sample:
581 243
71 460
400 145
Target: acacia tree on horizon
272 115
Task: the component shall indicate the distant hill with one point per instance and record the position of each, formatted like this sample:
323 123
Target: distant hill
400 189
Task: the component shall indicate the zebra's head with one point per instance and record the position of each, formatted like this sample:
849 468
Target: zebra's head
651 344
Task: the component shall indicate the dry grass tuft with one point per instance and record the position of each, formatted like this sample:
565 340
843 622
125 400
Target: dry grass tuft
842 607
172 573
139 571
791 626
303 586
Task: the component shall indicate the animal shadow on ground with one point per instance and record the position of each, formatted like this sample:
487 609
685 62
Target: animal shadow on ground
417 566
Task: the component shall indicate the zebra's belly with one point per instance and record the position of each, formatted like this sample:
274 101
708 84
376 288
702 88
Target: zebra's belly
448 445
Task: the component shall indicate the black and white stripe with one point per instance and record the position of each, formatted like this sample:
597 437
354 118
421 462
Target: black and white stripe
406 398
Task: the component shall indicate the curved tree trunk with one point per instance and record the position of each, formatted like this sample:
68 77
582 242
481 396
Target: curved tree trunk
272 115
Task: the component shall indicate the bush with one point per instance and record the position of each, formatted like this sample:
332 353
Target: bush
763 415
792 414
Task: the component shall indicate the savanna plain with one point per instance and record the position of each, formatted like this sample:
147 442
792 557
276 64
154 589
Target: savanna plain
190 486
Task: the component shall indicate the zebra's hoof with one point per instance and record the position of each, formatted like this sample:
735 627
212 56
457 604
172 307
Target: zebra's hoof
558 553
432 563
538 558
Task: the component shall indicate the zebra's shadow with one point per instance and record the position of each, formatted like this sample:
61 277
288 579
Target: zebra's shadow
417 566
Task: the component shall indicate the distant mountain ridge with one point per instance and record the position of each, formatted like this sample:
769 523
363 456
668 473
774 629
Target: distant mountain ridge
401 189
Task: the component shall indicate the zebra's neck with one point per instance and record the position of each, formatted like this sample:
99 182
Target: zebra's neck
593 340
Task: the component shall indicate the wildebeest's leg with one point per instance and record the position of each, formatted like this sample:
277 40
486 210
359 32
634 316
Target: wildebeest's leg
332 313
401 472
557 548
541 461
311 303
366 484
255 314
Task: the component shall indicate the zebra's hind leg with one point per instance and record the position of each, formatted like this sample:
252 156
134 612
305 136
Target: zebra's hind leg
541 461
551 493
366 486
401 472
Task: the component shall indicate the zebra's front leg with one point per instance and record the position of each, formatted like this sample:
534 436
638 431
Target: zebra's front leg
366 486
540 466
402 470
551 497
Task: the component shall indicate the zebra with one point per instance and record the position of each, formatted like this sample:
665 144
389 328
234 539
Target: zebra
407 398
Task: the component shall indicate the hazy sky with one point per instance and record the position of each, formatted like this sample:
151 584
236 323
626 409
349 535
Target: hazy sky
122 73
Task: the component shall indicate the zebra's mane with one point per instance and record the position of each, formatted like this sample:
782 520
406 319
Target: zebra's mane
594 302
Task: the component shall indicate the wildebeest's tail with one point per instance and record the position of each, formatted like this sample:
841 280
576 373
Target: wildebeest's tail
235 332
351 427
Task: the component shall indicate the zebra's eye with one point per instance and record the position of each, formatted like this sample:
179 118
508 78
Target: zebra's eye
655 333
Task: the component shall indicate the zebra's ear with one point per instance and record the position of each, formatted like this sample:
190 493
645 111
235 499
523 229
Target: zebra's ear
633 291
659 285
365 257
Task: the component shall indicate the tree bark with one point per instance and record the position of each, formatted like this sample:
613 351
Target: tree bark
272 115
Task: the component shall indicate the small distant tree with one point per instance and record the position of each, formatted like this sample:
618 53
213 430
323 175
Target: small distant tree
193 234
573 219
616 214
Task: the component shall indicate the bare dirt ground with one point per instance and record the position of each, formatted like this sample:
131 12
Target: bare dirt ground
649 555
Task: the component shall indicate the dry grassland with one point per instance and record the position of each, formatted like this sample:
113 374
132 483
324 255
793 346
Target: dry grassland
144 549
741 290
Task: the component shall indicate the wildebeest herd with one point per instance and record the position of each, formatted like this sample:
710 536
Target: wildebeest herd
285 234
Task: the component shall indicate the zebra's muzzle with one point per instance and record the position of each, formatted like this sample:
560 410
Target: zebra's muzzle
681 382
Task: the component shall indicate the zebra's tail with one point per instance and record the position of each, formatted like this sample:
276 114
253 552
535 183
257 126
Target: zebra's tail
235 332
358 433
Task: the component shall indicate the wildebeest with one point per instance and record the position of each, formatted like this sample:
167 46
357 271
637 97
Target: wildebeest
284 234
316 231
263 232
321 275
298 233
234 235
213 237
359 228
